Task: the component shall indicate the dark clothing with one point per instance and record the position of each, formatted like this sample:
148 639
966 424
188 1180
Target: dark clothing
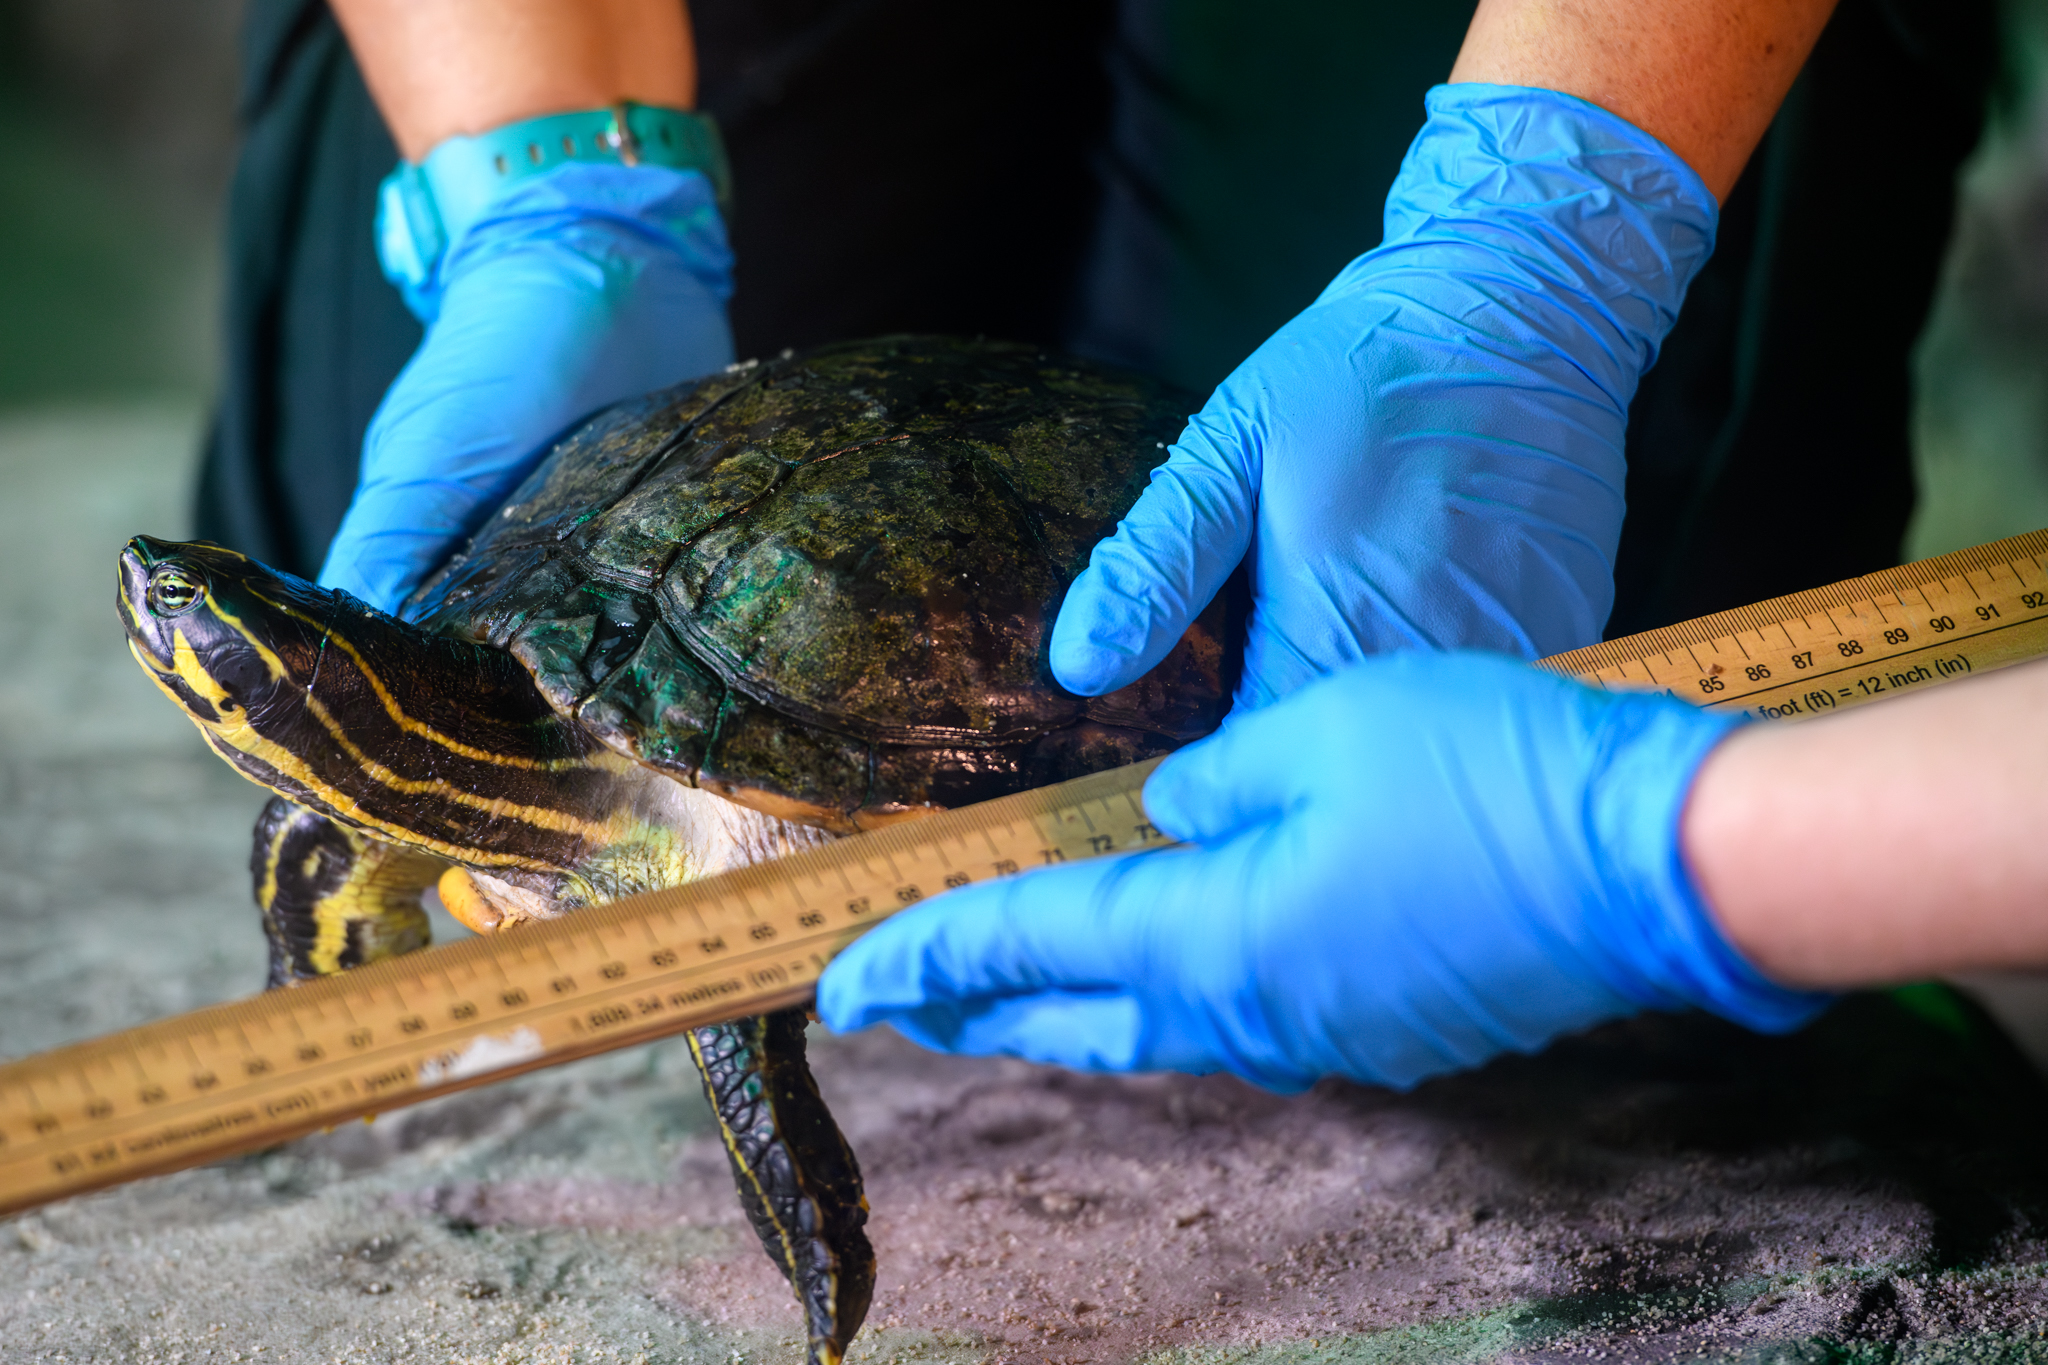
909 165
314 333
1770 448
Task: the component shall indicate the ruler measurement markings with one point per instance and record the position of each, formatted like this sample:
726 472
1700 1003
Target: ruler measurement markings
1895 652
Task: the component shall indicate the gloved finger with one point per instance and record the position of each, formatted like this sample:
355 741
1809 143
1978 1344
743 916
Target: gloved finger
1080 1030
1260 765
1040 931
1170 554
382 563
1092 967
1105 924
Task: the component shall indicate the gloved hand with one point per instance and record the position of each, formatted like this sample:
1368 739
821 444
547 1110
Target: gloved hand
578 288
1400 870
1430 454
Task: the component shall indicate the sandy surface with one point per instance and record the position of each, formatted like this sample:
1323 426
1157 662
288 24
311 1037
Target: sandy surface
1873 1189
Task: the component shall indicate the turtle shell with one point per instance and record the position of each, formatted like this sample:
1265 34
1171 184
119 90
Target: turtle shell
822 586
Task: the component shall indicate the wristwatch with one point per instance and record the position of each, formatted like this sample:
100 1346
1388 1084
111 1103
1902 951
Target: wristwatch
424 209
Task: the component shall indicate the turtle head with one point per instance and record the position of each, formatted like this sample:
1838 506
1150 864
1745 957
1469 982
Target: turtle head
235 644
441 744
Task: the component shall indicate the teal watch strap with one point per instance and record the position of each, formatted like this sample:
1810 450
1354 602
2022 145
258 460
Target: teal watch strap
424 209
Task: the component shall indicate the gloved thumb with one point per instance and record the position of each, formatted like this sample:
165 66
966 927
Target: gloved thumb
1169 555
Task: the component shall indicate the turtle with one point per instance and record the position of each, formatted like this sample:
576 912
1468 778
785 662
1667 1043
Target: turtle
725 621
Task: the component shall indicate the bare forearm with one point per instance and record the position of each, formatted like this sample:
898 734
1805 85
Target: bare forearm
1705 77
441 67
1890 843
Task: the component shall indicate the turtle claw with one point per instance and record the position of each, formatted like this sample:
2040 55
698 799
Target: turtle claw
797 1177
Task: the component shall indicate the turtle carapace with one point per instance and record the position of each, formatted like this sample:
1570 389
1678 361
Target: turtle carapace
716 624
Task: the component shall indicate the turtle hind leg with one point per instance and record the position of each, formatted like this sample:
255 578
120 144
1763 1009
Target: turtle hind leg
333 898
797 1177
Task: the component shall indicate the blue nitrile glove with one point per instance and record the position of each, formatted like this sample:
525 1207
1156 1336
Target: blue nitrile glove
1402 869
1430 454
580 287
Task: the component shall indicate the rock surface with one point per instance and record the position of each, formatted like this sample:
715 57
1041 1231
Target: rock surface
1871 1189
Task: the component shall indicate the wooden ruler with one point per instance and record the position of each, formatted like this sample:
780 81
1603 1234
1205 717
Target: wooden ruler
1821 650
246 1075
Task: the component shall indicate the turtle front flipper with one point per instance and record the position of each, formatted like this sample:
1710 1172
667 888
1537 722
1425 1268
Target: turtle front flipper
333 898
797 1177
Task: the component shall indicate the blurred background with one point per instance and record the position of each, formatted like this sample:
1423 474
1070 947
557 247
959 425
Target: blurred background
119 851
116 138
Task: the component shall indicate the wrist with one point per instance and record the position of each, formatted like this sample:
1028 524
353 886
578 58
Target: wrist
1581 226
428 211
1660 943
613 230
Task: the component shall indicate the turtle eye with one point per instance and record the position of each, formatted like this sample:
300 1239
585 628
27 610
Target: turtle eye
174 591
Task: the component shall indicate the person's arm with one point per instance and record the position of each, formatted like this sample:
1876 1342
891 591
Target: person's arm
1704 77
1425 860
438 68
588 282
1433 452
1887 844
